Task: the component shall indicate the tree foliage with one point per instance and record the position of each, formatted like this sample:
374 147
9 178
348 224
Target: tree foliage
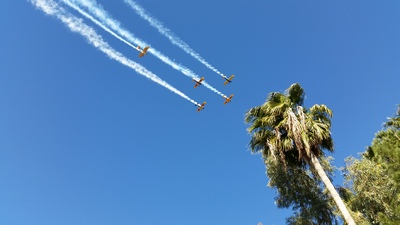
373 181
299 189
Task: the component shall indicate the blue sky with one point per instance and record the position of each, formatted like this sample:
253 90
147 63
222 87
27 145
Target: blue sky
87 140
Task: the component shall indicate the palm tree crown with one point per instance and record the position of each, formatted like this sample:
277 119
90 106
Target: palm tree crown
283 127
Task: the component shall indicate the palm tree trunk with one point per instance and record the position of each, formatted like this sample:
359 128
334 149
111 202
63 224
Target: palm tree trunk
340 204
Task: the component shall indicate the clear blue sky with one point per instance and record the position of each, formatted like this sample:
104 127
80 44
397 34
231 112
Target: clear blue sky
86 140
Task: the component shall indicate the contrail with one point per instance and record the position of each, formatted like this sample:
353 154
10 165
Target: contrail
76 25
169 34
107 23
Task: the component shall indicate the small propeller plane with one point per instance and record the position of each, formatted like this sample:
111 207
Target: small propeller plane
201 107
198 82
142 52
228 80
228 99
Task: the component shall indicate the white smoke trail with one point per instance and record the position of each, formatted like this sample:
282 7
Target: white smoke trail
108 21
76 25
98 23
169 34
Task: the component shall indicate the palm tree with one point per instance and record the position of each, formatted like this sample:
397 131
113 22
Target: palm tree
283 129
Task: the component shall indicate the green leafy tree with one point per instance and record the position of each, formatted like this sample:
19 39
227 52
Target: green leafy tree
298 187
284 130
372 191
373 181
385 148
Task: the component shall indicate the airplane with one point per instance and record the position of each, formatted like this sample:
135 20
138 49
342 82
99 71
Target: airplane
198 82
201 107
228 99
228 80
142 52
